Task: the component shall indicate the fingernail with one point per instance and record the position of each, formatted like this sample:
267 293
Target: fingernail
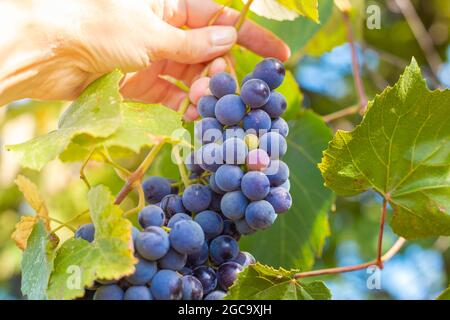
223 36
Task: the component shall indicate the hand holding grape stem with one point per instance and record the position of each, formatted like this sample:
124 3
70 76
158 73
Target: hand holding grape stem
53 49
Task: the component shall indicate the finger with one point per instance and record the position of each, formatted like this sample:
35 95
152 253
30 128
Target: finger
198 13
199 88
160 91
218 65
191 113
194 45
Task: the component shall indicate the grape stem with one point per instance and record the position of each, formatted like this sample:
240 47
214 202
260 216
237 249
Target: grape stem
381 232
135 178
355 64
341 113
386 257
243 14
181 167
83 169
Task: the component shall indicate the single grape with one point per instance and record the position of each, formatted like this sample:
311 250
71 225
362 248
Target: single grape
193 161
106 282
144 272
276 105
230 110
206 106
257 122
187 236
208 130
233 132
280 125
166 285
207 277
86 232
286 185
155 188
255 93
280 199
109 292
260 215
274 144
215 202
257 160
197 197
245 258
152 243
213 185
172 204
198 257
177 218
192 288
234 151
227 274
277 172
255 185
151 215
228 177
229 229
138 293
222 84
215 295
233 205
243 227
271 71
172 260
223 249
211 223
211 157
252 141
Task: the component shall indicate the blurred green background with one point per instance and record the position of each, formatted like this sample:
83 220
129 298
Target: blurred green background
322 67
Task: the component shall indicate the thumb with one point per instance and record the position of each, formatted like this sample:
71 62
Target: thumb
193 45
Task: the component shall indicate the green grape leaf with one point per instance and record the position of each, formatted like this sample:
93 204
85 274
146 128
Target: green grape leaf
401 149
110 256
286 9
260 282
37 262
445 295
298 236
96 112
334 32
246 62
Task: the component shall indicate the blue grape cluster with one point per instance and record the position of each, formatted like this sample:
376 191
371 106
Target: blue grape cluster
188 247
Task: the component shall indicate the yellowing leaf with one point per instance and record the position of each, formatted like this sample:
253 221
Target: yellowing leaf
34 199
23 230
25 226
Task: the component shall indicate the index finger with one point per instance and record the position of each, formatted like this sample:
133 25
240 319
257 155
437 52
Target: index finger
198 13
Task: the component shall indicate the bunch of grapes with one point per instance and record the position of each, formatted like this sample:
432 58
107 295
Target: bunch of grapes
188 248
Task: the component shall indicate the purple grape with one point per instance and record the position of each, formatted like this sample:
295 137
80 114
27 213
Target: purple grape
233 205
207 277
211 223
172 261
274 144
166 285
177 218
255 185
198 257
222 84
271 71
151 215
109 292
230 110
192 288
245 259
280 125
197 197
228 177
215 295
211 156
143 273
277 173
138 293
206 106
260 215
152 243
229 229
257 122
243 227
156 188
186 237
255 93
223 249
208 130
280 199
227 274
234 151
86 232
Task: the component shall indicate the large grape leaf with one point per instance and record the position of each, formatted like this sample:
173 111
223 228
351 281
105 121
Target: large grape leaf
96 112
110 256
246 62
37 262
298 235
401 150
285 9
260 282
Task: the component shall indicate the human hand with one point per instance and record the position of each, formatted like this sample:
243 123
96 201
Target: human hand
90 38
